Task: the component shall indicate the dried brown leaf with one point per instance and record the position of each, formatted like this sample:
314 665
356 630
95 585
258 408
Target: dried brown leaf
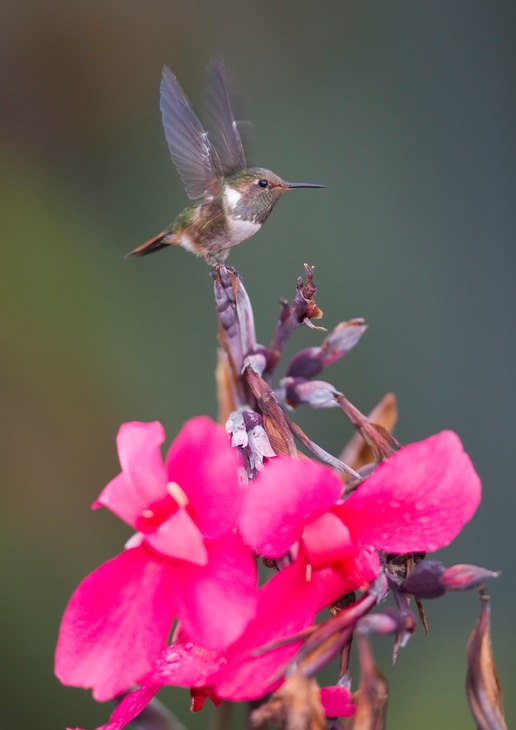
295 706
482 684
274 420
225 388
357 453
372 696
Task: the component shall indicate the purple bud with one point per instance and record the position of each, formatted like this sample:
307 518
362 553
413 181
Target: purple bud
311 362
252 419
315 393
389 621
425 580
306 363
430 579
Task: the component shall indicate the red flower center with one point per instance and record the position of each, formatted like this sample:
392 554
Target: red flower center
157 512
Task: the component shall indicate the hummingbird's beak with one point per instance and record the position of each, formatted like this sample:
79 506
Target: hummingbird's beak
292 186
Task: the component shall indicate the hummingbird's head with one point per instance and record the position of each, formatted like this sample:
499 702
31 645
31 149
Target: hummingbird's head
254 193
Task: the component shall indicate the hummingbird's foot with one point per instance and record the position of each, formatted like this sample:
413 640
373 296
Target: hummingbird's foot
215 272
232 270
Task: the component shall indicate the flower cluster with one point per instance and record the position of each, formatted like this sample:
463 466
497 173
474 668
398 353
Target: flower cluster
193 556
217 504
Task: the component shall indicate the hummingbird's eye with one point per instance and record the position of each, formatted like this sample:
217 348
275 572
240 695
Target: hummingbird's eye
263 183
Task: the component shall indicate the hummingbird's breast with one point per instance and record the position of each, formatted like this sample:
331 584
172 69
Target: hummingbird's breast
240 227
213 225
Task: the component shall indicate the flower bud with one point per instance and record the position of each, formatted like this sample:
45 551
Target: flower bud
311 362
425 580
465 577
315 393
389 621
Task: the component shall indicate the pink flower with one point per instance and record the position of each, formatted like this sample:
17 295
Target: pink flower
286 605
185 560
189 665
238 672
418 500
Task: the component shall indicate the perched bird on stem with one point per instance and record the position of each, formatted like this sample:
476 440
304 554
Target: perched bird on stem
231 201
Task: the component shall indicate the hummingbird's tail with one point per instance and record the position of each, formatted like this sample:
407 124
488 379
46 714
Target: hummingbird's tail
162 240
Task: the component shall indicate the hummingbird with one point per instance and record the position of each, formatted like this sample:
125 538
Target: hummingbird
230 201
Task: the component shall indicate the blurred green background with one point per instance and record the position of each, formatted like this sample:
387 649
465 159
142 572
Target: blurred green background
406 110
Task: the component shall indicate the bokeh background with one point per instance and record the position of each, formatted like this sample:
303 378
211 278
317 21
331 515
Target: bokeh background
406 110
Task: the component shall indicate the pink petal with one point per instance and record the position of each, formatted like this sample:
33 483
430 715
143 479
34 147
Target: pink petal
215 602
287 494
337 701
116 623
418 500
205 466
178 537
334 582
236 672
327 540
361 569
143 476
120 497
130 707
185 664
287 604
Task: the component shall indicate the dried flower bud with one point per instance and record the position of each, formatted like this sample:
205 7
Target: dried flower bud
249 436
235 427
260 446
301 311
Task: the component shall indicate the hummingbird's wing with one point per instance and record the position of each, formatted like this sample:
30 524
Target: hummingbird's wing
223 128
191 151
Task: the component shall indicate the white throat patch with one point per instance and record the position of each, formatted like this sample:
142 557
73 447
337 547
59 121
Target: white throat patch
231 197
238 229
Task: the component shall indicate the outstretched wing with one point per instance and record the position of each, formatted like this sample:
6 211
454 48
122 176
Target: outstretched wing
223 129
190 148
